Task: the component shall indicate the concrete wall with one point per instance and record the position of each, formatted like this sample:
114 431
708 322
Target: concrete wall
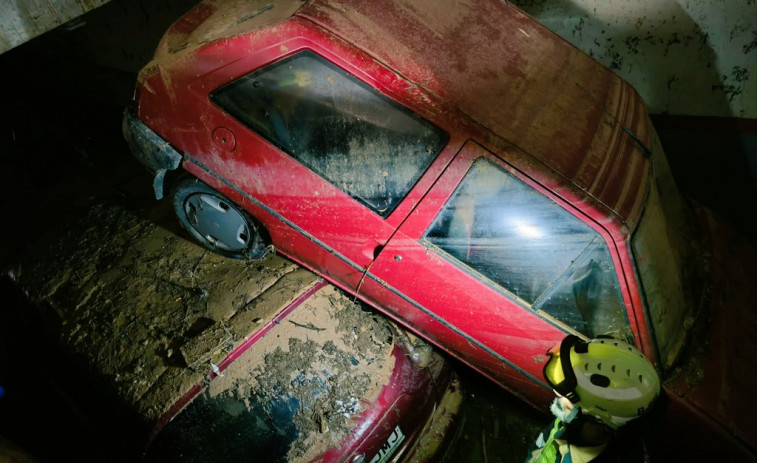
685 57
22 20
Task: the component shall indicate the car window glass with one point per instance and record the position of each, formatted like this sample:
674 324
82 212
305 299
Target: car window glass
361 142
671 275
203 431
544 257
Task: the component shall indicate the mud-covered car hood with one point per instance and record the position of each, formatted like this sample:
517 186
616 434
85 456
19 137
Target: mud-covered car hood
300 389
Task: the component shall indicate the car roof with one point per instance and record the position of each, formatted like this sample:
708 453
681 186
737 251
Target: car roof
212 20
491 62
515 78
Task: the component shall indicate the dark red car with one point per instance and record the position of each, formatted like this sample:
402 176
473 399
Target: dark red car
452 163
283 395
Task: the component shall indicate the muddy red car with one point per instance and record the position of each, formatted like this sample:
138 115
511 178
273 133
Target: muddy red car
454 164
284 394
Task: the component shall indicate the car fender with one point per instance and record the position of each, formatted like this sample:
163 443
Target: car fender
150 149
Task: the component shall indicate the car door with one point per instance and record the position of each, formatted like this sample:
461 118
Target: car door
336 162
496 270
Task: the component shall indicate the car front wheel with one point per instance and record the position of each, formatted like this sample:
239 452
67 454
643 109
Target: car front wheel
217 223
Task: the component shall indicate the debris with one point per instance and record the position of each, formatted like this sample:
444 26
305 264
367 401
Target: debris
309 326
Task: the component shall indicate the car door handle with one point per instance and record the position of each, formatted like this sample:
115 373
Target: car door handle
372 250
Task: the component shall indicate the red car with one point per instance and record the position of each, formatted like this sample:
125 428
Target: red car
406 412
453 163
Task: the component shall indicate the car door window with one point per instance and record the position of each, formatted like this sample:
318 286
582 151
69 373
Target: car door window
542 256
342 129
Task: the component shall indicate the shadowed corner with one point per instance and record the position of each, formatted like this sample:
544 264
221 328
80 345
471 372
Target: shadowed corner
714 161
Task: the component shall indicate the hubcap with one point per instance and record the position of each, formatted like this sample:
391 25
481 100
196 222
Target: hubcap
219 223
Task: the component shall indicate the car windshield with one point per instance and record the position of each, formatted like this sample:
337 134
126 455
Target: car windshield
542 256
345 131
662 246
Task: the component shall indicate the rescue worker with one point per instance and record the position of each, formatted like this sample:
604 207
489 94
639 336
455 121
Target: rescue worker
601 385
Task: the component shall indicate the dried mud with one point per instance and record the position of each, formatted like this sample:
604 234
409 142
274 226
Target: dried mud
153 314
329 354
146 309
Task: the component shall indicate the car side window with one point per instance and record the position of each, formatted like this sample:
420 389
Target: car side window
544 258
360 141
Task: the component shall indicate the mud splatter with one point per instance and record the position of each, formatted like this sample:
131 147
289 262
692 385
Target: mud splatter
632 43
578 28
732 90
740 74
672 40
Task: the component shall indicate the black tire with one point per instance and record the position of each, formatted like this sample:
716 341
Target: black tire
216 222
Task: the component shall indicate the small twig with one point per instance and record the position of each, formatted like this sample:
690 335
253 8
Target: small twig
309 326
193 273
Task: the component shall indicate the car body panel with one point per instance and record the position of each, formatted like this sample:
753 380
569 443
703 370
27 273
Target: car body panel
260 176
399 391
421 279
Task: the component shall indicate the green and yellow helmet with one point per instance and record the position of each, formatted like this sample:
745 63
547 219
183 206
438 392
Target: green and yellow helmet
608 379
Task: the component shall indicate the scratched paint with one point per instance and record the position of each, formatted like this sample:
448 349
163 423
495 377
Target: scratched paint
684 57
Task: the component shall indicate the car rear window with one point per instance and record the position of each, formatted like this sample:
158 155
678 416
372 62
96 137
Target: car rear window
669 261
246 426
344 130
544 257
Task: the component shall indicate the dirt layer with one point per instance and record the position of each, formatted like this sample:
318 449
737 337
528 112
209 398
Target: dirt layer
146 309
152 314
